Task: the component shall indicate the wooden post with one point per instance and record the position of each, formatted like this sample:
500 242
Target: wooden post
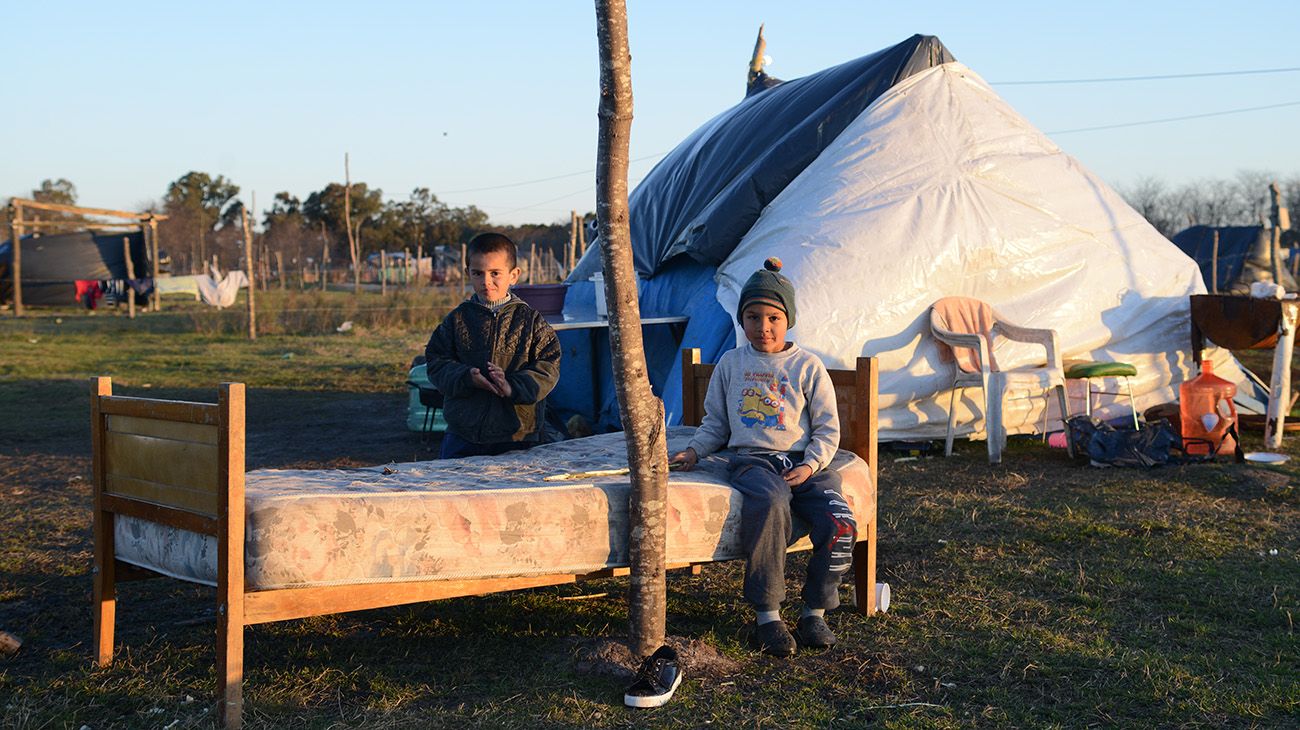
582 236
1275 254
406 267
16 263
230 563
130 274
419 259
640 411
756 60
383 272
1214 265
279 268
203 251
347 223
153 244
571 253
248 264
324 256
104 588
532 263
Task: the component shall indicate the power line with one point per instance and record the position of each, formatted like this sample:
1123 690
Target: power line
540 180
1149 78
1176 119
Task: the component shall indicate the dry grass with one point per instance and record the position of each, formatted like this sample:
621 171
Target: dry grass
1035 594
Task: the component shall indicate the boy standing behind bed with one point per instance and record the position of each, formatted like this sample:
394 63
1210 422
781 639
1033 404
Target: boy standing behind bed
494 358
774 404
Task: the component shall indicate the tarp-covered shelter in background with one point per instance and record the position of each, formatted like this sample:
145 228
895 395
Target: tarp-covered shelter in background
884 184
1242 255
53 263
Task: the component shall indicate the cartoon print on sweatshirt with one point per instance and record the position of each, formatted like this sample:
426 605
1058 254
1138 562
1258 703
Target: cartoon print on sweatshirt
762 400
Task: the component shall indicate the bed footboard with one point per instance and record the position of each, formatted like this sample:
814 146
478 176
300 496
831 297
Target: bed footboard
179 464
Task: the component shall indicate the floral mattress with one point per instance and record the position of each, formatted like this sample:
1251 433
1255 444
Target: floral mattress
477 517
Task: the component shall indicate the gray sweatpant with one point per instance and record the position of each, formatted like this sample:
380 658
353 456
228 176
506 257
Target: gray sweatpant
766 529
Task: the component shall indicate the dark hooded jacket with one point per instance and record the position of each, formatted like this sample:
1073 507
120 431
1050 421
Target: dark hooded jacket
521 343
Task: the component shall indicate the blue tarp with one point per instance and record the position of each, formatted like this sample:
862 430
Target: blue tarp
696 205
53 263
1242 250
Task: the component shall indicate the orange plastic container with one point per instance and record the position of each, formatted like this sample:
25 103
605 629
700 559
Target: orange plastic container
1206 411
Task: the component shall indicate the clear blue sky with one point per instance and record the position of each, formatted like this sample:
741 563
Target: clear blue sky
122 98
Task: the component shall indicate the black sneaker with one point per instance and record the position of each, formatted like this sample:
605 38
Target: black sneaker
656 680
812 631
773 638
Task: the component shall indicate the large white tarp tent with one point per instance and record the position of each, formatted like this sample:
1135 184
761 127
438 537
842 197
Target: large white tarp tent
940 188
935 187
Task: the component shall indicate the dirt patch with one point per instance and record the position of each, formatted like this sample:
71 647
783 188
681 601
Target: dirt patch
612 658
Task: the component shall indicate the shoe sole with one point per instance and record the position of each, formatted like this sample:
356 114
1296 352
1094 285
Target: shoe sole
772 651
653 700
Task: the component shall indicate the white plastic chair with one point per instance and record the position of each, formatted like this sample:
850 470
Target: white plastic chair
969 327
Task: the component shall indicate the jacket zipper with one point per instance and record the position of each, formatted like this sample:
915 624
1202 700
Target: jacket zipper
496 330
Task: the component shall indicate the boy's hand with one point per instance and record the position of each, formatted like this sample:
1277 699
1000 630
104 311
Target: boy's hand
687 459
476 377
798 475
498 377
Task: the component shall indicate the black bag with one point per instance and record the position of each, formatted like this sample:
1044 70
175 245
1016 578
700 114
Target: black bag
1105 445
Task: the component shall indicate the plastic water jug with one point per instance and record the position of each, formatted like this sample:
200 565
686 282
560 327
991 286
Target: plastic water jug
1206 410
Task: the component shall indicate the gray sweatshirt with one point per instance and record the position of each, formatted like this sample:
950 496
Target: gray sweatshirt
781 401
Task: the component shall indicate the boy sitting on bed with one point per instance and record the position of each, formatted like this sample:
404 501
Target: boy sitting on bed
494 358
774 405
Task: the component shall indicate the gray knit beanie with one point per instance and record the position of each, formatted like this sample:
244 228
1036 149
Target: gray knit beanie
768 286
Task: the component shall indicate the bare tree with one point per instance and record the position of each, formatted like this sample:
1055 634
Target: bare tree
642 413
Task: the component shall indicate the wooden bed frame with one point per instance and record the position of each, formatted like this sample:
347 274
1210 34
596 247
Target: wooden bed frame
181 464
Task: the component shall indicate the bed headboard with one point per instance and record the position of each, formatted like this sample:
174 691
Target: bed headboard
167 461
855 395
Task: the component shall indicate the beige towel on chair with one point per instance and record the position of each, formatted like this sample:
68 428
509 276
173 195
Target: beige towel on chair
964 315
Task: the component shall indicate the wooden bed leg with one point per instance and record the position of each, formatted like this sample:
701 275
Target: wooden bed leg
230 557
864 571
105 589
696 568
230 668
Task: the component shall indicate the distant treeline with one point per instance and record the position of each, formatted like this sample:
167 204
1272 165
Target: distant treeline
204 214
204 220
1241 201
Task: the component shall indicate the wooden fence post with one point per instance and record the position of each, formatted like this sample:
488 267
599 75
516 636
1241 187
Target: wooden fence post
252 284
1214 265
16 235
153 245
130 274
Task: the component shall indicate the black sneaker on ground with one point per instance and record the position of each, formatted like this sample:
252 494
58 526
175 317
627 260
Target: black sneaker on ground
656 680
773 638
812 631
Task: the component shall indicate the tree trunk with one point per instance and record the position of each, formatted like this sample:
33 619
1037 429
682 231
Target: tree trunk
642 413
